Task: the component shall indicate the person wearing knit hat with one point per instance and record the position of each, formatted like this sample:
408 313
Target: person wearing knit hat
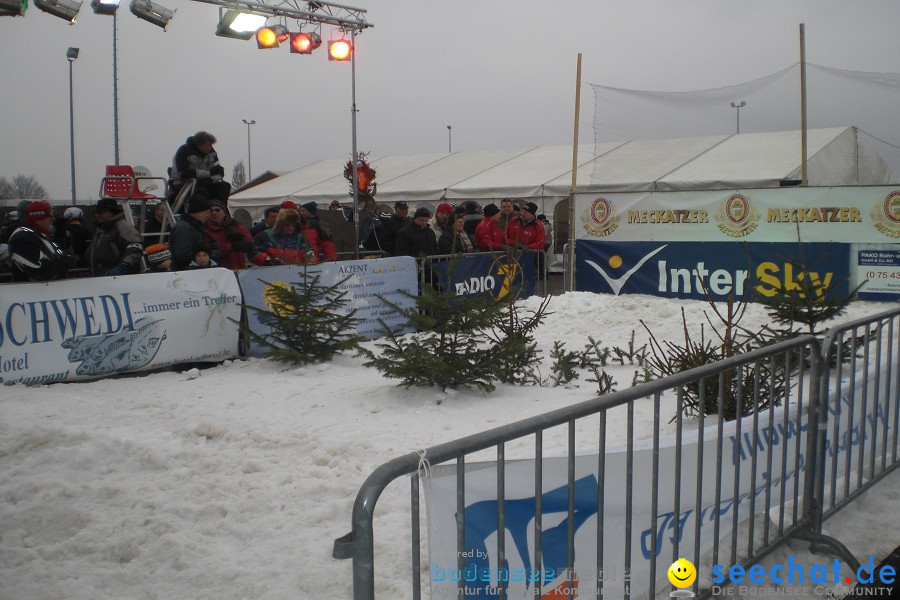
32 253
229 235
488 236
283 244
440 224
525 231
158 257
312 207
317 235
188 234
117 247
417 239
197 160
289 204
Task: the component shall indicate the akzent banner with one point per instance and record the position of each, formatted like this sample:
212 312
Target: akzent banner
690 269
482 576
82 329
393 279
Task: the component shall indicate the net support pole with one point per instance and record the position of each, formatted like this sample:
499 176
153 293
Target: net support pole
803 175
571 273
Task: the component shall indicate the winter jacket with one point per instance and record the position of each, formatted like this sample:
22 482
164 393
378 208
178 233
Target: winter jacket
529 234
233 241
184 241
116 242
488 236
189 162
319 239
455 243
277 248
415 241
35 257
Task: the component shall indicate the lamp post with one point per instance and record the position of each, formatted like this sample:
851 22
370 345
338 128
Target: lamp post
738 108
249 167
449 140
111 7
71 55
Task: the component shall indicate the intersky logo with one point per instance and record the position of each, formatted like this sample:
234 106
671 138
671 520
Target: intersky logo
615 262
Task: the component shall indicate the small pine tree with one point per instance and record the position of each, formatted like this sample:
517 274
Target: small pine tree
309 322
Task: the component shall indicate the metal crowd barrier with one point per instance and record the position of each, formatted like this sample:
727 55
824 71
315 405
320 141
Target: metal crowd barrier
795 503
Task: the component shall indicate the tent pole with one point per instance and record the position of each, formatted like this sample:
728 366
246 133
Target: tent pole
803 175
571 273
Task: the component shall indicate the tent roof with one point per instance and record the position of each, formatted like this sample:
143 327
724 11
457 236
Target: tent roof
836 157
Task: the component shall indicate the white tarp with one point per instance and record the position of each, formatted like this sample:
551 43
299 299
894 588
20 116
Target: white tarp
836 157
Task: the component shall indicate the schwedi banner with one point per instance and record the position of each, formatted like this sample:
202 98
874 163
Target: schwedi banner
827 214
493 273
682 269
483 576
364 280
87 328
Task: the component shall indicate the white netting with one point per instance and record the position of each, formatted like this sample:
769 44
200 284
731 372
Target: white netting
835 98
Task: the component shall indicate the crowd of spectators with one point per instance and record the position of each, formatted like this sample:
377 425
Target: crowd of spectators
36 247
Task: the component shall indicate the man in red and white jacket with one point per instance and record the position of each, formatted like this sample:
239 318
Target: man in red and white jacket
525 231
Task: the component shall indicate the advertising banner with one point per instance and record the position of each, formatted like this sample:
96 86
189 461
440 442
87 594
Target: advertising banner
773 450
364 280
88 328
494 273
880 269
685 270
827 214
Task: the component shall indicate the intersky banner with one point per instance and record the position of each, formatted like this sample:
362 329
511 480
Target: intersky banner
784 442
88 328
364 281
684 269
493 273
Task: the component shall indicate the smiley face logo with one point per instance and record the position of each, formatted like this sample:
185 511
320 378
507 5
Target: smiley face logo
682 573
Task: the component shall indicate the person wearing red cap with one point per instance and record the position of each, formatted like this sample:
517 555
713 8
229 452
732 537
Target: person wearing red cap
440 224
33 254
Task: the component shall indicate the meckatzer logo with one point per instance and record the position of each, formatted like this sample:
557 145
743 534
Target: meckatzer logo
736 217
886 215
600 219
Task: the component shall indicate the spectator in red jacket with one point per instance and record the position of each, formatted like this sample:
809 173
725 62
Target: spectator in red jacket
283 244
488 236
525 231
318 236
232 238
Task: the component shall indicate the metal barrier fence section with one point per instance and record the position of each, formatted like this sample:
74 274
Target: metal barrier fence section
791 436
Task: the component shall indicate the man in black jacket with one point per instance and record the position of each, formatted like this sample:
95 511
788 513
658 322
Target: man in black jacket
196 159
117 248
417 239
32 252
187 235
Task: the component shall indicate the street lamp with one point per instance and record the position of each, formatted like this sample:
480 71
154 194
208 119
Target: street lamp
738 107
249 168
71 55
449 140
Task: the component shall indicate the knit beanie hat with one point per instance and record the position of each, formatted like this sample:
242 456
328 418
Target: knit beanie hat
35 211
311 207
197 203
443 207
289 204
490 210
157 253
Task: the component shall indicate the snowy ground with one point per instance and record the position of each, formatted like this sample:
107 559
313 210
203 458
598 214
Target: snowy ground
233 482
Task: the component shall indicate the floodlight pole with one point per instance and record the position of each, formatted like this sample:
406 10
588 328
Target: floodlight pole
449 140
249 167
115 90
738 108
353 141
71 55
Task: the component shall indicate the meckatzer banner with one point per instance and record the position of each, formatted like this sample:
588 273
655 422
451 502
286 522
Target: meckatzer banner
365 280
784 442
685 269
87 328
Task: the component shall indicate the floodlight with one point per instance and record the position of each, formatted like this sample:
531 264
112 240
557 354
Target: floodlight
271 37
305 42
105 7
340 49
13 8
72 54
239 25
64 9
152 13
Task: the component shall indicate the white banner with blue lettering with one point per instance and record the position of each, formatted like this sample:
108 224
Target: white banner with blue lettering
88 328
393 279
482 577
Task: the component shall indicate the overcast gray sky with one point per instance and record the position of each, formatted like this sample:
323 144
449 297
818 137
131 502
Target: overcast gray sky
500 72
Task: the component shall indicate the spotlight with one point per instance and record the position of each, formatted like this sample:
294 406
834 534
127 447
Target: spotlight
72 53
64 9
271 37
339 50
239 25
13 8
305 43
105 7
152 13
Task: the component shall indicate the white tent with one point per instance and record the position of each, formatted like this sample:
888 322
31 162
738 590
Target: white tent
836 157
